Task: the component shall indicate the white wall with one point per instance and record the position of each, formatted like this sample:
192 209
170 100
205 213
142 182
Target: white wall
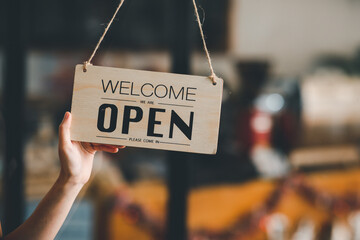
293 32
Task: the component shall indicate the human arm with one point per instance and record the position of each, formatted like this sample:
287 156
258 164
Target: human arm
76 160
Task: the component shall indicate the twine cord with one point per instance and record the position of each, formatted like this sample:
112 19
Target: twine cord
103 35
213 76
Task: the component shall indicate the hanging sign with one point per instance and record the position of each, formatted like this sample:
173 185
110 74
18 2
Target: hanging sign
146 109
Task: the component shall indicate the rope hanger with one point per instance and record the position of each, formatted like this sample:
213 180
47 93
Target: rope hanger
212 77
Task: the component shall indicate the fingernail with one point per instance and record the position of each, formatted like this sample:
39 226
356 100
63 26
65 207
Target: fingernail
67 115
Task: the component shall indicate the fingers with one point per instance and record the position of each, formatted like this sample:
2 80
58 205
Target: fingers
109 145
64 130
106 148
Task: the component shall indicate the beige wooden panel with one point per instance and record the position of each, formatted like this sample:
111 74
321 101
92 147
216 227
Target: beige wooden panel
171 96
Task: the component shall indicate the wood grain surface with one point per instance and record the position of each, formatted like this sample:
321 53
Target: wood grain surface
146 109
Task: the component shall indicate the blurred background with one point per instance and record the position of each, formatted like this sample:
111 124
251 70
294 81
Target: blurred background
287 166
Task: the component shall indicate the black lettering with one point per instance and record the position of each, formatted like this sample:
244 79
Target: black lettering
113 118
189 93
161 85
111 85
176 96
132 89
152 122
127 119
176 120
142 88
121 87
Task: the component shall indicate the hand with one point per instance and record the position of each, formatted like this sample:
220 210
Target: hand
76 158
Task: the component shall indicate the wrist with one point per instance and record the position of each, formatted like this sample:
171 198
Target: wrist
68 190
66 181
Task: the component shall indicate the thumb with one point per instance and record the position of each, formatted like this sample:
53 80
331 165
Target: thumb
64 129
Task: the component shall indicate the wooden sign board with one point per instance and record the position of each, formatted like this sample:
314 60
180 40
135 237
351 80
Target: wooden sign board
146 109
